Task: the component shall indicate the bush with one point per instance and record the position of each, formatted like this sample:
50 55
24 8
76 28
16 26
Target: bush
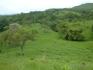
71 31
74 35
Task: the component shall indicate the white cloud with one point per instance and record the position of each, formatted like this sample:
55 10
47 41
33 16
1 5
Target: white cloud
17 6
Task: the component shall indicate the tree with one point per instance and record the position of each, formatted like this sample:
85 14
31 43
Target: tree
3 23
16 36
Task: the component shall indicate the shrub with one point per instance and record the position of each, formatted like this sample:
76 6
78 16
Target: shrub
71 31
74 35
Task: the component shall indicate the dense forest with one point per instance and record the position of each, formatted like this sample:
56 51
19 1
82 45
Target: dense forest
55 35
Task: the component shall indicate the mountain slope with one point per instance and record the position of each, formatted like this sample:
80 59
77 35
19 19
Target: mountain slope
84 7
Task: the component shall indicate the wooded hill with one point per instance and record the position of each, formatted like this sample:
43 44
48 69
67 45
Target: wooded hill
50 17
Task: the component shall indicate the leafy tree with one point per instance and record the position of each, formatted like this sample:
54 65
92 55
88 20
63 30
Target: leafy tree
3 23
16 36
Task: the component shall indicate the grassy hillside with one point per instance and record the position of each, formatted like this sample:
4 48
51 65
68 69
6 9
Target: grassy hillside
48 51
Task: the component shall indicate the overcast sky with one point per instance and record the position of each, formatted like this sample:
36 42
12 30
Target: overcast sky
18 6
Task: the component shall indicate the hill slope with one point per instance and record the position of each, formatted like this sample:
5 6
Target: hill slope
84 7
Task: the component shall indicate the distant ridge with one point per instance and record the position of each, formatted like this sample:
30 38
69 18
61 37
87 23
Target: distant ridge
84 7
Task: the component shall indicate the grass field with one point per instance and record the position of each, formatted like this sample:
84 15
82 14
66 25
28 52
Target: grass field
48 52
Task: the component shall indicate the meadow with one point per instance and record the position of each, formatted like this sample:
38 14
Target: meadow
48 52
